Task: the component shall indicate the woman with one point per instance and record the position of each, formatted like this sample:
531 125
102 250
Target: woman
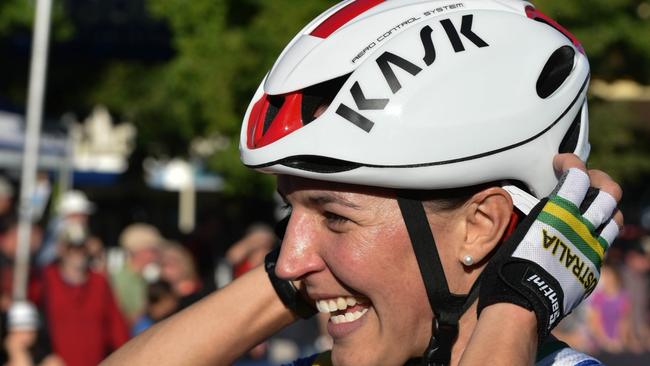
389 124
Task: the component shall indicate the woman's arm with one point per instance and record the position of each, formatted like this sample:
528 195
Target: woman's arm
507 334
214 331
508 328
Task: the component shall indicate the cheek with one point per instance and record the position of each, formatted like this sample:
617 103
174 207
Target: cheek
379 262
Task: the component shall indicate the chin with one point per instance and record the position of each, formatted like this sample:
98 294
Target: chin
362 356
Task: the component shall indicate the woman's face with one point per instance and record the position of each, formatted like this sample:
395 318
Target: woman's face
350 248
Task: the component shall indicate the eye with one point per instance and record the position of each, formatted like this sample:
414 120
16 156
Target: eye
333 218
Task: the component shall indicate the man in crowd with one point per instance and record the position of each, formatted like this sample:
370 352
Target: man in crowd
73 209
141 243
178 269
84 321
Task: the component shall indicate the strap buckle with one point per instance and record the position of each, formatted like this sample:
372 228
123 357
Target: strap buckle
443 335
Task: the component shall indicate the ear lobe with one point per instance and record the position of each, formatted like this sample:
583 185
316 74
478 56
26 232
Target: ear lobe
487 217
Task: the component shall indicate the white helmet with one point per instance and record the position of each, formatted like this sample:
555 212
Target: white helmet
422 94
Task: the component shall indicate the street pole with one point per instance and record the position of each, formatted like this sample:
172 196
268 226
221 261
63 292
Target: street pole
38 70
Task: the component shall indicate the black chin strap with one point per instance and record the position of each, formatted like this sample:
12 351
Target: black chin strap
447 307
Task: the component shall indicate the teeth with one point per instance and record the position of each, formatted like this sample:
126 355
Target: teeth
348 317
332 305
340 303
338 319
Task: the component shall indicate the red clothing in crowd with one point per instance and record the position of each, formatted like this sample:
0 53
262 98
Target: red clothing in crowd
84 321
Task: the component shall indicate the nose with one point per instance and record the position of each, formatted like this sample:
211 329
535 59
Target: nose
299 253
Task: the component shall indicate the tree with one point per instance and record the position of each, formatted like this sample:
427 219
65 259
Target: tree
616 38
223 48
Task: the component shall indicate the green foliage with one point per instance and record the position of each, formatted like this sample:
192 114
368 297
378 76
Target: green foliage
616 38
223 48
619 136
18 15
614 33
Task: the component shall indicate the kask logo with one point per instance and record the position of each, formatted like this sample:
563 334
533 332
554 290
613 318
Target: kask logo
388 60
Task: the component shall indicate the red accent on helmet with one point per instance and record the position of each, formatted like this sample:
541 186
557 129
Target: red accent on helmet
342 16
533 13
287 120
256 121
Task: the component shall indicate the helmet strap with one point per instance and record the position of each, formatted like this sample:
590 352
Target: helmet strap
447 307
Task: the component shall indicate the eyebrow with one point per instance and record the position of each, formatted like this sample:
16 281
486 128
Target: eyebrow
325 198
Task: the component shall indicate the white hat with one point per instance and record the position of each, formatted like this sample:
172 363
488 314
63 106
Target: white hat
75 202
22 315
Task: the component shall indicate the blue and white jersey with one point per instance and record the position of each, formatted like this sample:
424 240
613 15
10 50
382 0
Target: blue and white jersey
557 353
568 357
551 353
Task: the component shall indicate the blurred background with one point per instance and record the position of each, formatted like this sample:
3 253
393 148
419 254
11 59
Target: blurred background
139 177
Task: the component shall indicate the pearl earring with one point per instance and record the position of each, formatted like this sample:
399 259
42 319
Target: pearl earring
468 260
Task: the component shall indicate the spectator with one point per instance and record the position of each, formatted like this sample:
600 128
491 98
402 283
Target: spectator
26 343
635 278
608 312
84 321
141 242
179 270
74 209
97 254
250 250
8 246
161 302
7 214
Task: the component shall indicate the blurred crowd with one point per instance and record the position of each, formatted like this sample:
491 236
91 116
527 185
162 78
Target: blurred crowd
614 322
85 298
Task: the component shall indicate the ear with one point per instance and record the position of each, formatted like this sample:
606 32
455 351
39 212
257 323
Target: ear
486 216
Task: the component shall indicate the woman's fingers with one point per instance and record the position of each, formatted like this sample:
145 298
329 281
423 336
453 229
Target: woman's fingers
598 179
563 162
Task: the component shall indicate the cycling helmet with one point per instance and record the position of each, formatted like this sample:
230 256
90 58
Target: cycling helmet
422 95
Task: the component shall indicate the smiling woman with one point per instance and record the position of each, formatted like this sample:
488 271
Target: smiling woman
362 256
424 246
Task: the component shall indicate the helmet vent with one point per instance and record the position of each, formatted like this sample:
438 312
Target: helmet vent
570 140
275 103
557 69
316 98
318 164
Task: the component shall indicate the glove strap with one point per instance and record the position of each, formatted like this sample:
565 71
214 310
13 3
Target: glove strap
286 291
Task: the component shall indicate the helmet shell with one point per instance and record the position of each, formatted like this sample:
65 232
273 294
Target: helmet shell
439 95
